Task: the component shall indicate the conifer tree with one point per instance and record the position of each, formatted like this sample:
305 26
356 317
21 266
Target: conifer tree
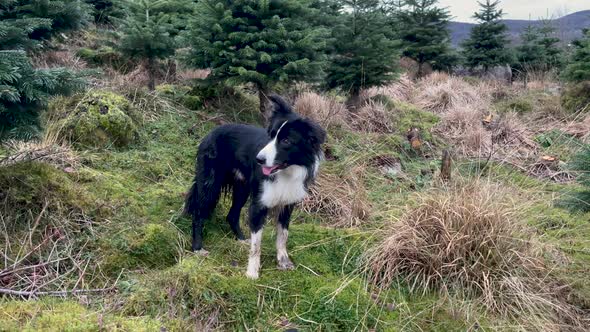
579 68
149 31
24 90
425 35
530 55
365 51
106 11
487 45
549 44
259 42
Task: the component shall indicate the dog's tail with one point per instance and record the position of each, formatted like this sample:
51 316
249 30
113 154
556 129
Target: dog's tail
191 201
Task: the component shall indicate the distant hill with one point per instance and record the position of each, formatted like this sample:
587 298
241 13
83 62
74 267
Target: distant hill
568 27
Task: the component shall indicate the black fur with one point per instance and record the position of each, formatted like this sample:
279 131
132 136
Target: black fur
227 161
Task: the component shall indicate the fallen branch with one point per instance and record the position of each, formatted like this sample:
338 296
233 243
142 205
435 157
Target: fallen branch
54 293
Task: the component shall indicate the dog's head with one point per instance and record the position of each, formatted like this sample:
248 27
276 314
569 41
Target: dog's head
293 140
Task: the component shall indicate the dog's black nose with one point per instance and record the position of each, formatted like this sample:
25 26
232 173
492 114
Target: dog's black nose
261 160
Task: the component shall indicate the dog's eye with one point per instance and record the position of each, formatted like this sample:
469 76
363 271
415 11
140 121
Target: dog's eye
285 141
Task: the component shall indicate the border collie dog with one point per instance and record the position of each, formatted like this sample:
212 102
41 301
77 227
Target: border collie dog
272 167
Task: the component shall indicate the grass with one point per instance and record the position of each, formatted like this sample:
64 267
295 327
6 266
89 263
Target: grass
134 235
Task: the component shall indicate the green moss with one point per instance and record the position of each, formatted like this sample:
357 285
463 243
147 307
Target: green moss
96 119
29 187
151 246
520 105
576 97
59 315
322 293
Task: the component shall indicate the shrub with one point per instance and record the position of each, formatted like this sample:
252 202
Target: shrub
469 240
520 105
576 97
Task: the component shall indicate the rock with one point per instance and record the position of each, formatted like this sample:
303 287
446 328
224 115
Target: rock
96 119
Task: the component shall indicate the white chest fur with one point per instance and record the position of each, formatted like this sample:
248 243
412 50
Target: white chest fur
287 188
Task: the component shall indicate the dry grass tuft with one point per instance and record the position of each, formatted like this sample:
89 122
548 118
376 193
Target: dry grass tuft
440 93
469 240
192 74
401 90
53 59
375 117
50 149
341 199
327 111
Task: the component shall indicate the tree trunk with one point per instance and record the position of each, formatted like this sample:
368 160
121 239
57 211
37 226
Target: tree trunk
446 167
151 69
263 100
420 70
354 100
171 70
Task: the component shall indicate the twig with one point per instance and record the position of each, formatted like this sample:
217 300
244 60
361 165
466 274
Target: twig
54 293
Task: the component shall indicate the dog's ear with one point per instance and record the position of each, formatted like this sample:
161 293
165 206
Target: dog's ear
279 105
315 133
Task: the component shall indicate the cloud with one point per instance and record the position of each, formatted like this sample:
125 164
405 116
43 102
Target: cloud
463 10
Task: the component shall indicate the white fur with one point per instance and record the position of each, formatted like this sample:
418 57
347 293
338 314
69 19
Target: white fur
287 188
269 152
282 236
239 176
254 258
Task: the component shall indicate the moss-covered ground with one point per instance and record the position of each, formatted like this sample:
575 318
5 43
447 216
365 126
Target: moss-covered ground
134 196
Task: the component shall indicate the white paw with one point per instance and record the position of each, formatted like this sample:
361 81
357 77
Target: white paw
252 275
285 264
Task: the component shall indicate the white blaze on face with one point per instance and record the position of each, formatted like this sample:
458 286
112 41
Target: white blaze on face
254 258
269 153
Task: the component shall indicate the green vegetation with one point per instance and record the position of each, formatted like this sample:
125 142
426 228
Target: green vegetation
93 233
365 52
149 31
259 42
487 44
425 34
95 119
578 69
24 26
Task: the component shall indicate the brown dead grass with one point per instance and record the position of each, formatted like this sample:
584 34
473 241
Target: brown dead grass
401 90
470 240
50 149
62 58
374 117
325 110
440 93
340 199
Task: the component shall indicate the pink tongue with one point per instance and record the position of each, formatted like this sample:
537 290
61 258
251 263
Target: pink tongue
267 170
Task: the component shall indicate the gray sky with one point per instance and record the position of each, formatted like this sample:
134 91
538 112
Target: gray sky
462 10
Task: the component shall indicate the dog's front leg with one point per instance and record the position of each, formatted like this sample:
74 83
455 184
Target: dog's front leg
257 218
284 263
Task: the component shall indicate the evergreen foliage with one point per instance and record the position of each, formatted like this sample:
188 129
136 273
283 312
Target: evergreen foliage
149 31
365 51
549 43
529 54
24 90
425 34
259 42
579 68
106 11
580 201
487 45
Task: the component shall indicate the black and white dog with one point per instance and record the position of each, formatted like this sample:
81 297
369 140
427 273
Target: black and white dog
273 167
